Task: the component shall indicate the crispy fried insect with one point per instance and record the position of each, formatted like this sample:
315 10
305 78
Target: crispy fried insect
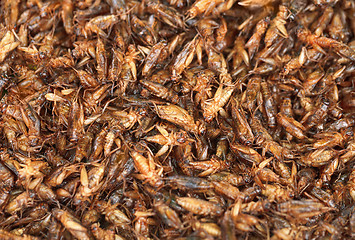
160 91
67 15
315 116
112 214
202 7
185 57
206 229
83 147
210 166
303 209
246 153
91 182
98 24
277 193
244 132
193 183
239 54
104 234
327 172
166 14
330 139
156 55
7 44
177 115
292 126
255 3
236 180
269 104
60 174
319 157
199 206
71 223
277 26
323 42
227 190
254 41
23 200
146 167
214 105
320 25
168 140
168 215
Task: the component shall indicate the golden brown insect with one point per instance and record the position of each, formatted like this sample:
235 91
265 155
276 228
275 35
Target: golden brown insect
327 172
221 33
100 233
199 206
60 174
156 55
319 157
269 104
244 222
244 132
98 24
7 44
227 190
292 126
101 59
254 41
236 180
168 140
256 207
203 78
338 28
112 214
72 224
297 62
160 91
303 209
323 42
6 235
23 200
202 7
277 193
320 25
330 139
349 152
166 14
110 139
255 3
315 116
206 229
239 53
185 57
168 215
277 26
210 166
146 166
116 66
214 105
246 153
178 116
90 181
67 15
263 174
